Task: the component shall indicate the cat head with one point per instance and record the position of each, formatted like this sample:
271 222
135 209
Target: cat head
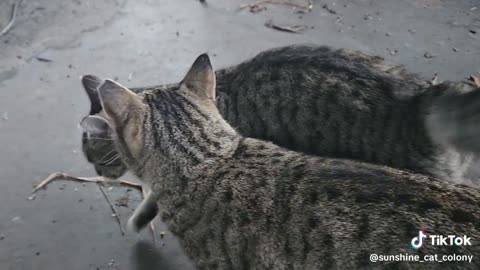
97 142
175 127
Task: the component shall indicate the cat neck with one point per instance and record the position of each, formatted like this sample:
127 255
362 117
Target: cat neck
184 134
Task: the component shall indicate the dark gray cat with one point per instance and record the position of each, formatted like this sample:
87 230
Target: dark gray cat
336 103
243 203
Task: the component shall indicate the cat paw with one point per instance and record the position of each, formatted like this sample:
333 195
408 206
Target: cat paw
131 226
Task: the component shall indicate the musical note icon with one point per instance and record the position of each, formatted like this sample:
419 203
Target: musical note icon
417 241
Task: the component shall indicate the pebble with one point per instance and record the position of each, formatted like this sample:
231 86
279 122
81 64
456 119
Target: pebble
16 219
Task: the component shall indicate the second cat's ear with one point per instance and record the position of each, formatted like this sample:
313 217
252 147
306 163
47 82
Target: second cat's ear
201 77
119 102
94 125
91 84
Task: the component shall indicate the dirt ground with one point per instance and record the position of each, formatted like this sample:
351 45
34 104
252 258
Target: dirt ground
143 42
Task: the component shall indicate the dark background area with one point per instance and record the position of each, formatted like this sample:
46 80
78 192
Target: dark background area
145 42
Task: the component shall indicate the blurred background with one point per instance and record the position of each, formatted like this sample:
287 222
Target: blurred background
51 43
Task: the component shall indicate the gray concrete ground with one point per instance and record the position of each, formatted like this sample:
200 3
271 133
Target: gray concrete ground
142 42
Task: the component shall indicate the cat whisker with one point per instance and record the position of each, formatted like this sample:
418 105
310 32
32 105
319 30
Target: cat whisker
105 156
113 160
109 160
100 139
91 88
92 80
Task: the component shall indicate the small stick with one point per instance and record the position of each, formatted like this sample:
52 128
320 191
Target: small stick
115 213
98 180
287 3
12 19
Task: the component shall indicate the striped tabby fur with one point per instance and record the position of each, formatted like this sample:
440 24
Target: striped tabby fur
243 203
334 103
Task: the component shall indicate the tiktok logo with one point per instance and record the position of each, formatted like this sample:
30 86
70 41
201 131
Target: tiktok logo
417 241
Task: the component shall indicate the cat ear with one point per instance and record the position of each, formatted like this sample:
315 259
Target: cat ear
118 102
201 77
91 83
93 124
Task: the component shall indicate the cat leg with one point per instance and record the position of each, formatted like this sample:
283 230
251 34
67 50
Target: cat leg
145 191
144 213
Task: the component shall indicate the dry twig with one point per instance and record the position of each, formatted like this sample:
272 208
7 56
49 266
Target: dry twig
12 19
115 213
100 181
278 2
286 28
97 179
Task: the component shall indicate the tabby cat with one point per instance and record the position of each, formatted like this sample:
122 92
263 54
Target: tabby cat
242 203
335 103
